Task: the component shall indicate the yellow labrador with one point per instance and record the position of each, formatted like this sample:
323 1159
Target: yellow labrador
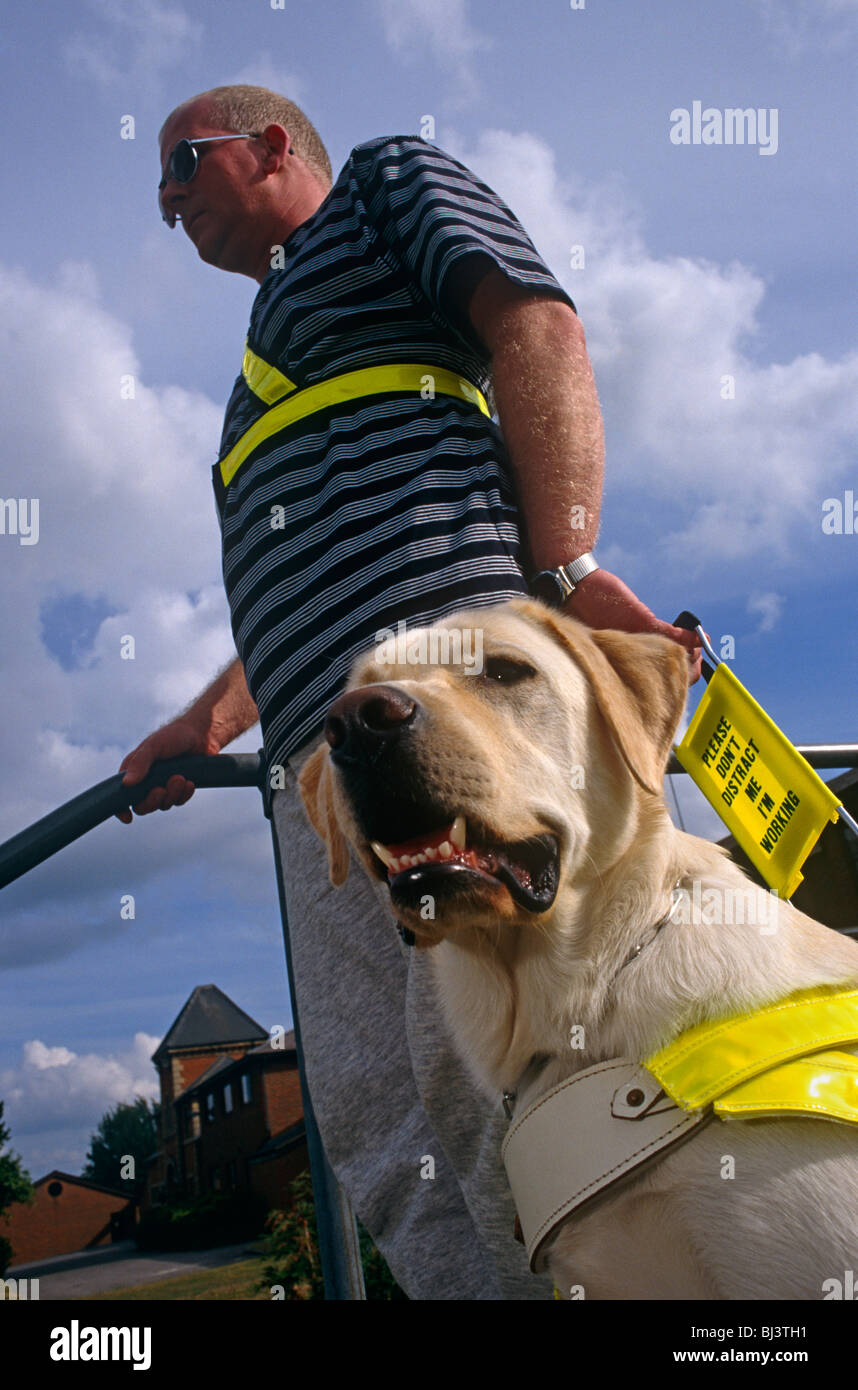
513 805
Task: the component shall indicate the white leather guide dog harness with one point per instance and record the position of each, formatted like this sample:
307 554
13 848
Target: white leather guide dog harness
575 1143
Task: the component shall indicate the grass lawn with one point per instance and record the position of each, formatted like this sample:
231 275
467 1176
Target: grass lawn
235 1281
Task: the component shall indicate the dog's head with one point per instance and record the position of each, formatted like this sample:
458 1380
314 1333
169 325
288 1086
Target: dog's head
477 765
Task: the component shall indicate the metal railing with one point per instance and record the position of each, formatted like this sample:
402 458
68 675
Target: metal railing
338 1239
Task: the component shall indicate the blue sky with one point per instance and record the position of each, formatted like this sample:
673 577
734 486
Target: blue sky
701 262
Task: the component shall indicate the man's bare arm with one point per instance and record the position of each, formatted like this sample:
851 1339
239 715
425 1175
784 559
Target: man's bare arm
223 711
552 425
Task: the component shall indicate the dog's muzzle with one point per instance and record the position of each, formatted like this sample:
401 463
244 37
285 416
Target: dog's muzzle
378 737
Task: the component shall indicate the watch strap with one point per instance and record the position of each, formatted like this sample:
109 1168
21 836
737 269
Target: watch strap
564 579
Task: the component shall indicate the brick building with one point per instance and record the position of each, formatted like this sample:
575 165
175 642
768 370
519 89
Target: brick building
67 1214
231 1112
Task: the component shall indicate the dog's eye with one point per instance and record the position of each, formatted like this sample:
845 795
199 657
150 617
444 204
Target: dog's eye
506 671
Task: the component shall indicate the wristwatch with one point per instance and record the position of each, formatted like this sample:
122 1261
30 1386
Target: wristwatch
556 586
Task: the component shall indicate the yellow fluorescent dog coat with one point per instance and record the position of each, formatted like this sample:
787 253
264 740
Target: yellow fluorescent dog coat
599 1126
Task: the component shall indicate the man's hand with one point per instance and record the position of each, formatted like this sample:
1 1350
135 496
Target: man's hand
170 742
223 711
603 600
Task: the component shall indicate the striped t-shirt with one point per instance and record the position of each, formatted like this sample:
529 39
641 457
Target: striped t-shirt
390 507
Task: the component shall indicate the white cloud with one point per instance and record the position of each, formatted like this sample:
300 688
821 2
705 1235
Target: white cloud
671 338
127 521
799 25
132 44
768 608
441 27
54 1088
126 517
41 1058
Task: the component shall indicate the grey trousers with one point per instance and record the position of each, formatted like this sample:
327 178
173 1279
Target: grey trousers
410 1138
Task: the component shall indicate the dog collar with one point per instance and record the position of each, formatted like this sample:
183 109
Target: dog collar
676 897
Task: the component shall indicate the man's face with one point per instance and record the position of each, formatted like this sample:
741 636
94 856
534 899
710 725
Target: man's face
218 206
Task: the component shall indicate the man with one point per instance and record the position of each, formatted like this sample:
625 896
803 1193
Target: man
392 497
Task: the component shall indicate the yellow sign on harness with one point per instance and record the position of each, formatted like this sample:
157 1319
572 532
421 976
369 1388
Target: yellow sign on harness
765 792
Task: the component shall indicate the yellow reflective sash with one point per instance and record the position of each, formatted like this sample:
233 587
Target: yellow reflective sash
367 381
264 380
778 1060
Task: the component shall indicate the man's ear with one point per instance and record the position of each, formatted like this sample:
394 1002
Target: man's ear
315 782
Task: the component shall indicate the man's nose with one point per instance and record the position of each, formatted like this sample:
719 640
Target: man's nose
362 722
172 197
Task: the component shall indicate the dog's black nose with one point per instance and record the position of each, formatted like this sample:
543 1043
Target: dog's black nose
360 721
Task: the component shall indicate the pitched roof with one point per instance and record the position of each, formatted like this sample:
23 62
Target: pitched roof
57 1175
209 1017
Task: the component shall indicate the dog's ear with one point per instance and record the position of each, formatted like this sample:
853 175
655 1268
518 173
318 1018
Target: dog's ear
644 702
317 793
640 681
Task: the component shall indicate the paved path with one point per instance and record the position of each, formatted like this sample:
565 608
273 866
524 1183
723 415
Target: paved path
120 1267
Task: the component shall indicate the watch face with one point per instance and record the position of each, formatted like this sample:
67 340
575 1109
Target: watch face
546 586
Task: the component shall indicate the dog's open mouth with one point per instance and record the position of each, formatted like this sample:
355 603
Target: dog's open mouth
456 857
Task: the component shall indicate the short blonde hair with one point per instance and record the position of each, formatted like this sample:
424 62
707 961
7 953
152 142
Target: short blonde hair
243 108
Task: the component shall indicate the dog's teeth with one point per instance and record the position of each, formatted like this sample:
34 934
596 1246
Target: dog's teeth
457 833
431 852
445 850
384 855
405 861
394 865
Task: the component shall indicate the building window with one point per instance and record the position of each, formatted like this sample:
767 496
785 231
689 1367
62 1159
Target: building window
245 1087
195 1119
210 1106
227 1098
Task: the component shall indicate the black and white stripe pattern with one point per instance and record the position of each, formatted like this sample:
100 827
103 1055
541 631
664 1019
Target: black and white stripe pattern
387 508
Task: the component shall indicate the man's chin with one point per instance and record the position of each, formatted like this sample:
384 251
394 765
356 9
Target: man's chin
201 236
206 251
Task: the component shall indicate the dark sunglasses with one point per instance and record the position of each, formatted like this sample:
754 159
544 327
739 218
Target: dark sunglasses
183 164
